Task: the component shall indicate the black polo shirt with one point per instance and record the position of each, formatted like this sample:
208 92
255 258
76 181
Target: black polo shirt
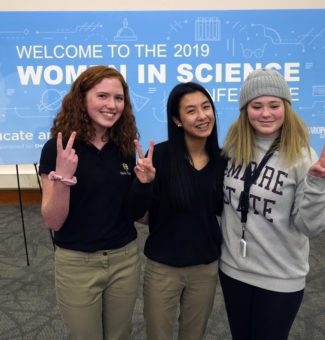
97 216
188 237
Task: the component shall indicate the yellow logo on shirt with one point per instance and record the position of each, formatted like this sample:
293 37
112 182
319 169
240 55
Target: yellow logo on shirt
126 170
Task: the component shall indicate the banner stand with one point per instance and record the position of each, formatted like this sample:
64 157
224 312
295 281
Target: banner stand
22 215
22 211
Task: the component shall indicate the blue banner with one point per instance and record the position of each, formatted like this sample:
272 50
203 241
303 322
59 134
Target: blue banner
43 52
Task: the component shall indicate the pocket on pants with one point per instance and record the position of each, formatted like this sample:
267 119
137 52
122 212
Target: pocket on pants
75 278
125 268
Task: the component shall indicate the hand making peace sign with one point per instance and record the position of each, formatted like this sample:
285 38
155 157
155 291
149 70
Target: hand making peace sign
144 169
318 169
66 159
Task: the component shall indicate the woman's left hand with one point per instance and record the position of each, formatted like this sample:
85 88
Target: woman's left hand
318 169
144 169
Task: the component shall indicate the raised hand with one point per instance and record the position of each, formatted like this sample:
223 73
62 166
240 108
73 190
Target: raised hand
66 159
318 169
144 169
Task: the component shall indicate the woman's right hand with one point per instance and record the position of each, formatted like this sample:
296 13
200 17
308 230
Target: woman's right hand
318 169
144 169
66 159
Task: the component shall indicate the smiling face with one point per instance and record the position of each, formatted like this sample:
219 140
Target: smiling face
196 116
266 115
105 104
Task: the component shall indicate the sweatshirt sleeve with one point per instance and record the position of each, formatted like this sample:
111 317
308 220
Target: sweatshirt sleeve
309 208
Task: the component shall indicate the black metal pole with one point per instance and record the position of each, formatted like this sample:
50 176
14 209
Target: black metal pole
22 215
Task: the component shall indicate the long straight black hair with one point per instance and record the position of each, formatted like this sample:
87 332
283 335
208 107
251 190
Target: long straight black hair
180 184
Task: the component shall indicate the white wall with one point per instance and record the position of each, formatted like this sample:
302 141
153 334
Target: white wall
129 5
28 177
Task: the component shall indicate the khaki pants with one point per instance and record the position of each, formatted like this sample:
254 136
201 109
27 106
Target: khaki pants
191 289
97 291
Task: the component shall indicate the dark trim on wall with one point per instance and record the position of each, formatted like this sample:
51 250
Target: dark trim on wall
28 196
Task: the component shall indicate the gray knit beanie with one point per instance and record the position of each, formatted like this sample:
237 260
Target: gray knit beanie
264 82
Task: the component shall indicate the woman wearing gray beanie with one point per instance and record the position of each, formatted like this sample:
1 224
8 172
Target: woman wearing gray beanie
274 189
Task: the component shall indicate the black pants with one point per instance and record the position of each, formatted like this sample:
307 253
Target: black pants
258 314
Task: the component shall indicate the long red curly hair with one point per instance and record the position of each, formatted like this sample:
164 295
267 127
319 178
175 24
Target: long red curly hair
73 115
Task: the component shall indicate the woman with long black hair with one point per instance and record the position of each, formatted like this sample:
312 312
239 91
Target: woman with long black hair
183 245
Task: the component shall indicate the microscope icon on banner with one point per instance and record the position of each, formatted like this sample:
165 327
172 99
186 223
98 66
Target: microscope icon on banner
125 33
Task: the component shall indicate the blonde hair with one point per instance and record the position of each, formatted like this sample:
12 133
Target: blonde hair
240 139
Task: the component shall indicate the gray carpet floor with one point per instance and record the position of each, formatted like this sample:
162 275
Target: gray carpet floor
28 307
